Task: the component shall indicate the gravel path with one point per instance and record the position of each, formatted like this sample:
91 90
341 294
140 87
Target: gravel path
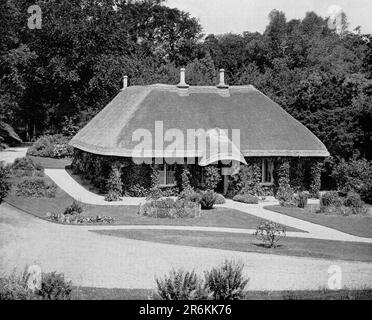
90 259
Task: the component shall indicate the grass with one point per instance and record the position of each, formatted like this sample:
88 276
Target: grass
127 215
88 293
355 225
335 250
50 163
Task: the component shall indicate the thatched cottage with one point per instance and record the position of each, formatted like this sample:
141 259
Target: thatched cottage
267 133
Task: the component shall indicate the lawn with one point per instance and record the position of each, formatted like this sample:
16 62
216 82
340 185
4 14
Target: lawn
50 163
127 215
88 293
335 250
356 225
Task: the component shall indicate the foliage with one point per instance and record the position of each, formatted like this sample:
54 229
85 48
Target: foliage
355 203
329 199
114 185
270 233
5 183
226 282
36 187
52 146
208 199
26 167
220 199
77 218
315 176
247 180
55 287
212 177
301 199
355 175
180 285
285 193
74 208
14 287
246 198
169 208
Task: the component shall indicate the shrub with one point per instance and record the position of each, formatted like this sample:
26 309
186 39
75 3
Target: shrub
169 208
114 185
355 203
212 177
330 199
208 199
53 146
190 195
74 208
248 181
36 187
246 198
355 175
226 282
5 184
54 287
301 199
220 199
14 287
26 167
285 193
180 285
270 233
79 219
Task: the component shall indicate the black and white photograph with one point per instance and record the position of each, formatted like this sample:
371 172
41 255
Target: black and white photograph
198 150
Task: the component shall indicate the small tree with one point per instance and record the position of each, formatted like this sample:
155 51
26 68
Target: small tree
114 185
270 233
5 184
212 177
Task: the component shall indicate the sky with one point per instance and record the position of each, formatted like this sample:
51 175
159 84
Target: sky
236 16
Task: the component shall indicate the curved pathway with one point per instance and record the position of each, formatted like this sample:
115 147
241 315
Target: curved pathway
90 259
314 231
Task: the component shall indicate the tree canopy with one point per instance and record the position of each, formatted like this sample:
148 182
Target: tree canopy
72 67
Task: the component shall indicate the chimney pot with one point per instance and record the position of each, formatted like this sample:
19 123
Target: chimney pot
125 82
222 83
182 83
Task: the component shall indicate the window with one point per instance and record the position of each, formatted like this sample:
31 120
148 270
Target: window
267 171
167 174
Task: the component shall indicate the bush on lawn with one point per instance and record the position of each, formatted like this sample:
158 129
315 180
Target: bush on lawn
208 199
54 287
226 282
270 233
246 198
26 167
180 285
330 202
74 208
35 187
14 287
220 199
169 208
52 146
190 195
5 184
301 199
355 175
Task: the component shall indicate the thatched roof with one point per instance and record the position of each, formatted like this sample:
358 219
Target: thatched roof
266 129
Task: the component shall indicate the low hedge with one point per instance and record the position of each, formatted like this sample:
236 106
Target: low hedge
51 146
246 198
35 187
